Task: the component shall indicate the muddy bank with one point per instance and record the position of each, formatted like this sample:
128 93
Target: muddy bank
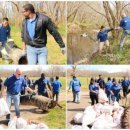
80 49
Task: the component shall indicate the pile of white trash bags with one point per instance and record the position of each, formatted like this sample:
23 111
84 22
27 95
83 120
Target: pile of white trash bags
18 123
100 116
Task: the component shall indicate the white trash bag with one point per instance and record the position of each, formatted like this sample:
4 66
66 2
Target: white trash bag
1 128
4 110
89 116
12 123
42 126
79 127
21 123
78 117
102 96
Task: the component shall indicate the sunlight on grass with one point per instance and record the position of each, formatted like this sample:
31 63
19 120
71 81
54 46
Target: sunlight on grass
56 118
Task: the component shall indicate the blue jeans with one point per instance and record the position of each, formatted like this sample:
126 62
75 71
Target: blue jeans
124 34
76 96
37 55
109 97
16 100
115 98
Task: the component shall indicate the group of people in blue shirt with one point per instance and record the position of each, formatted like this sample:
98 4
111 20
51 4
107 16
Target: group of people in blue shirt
112 88
15 84
102 36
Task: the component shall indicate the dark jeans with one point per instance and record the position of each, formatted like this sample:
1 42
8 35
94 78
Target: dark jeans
57 96
125 91
42 94
93 99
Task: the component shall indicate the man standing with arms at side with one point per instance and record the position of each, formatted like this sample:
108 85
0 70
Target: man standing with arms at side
34 35
14 85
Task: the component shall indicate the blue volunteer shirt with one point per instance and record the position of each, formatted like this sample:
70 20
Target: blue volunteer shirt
75 84
41 83
4 33
103 35
125 23
108 87
93 87
116 89
31 23
14 85
125 83
56 85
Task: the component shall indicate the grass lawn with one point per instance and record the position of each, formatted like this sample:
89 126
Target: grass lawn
114 56
54 54
56 118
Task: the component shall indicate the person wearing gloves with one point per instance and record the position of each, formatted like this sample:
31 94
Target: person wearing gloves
102 37
115 91
125 25
14 85
34 35
93 88
75 85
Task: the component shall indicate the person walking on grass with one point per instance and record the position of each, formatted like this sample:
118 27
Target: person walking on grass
14 85
93 88
125 25
56 86
75 85
102 37
115 91
34 35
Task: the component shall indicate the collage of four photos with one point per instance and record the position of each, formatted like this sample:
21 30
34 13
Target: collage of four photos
64 65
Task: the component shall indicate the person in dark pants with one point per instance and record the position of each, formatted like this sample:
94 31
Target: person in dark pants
125 86
42 84
75 85
34 35
14 84
56 85
101 82
93 88
115 91
108 88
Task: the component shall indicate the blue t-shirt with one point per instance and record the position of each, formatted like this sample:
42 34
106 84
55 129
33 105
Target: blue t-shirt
75 84
125 83
108 87
4 33
31 23
14 85
93 87
125 23
116 89
56 85
41 83
103 35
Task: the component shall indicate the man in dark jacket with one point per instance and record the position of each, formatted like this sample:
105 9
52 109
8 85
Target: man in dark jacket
101 82
34 35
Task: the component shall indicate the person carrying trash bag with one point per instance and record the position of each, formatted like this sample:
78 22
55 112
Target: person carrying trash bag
93 88
14 84
115 91
75 85
102 37
34 35
125 25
